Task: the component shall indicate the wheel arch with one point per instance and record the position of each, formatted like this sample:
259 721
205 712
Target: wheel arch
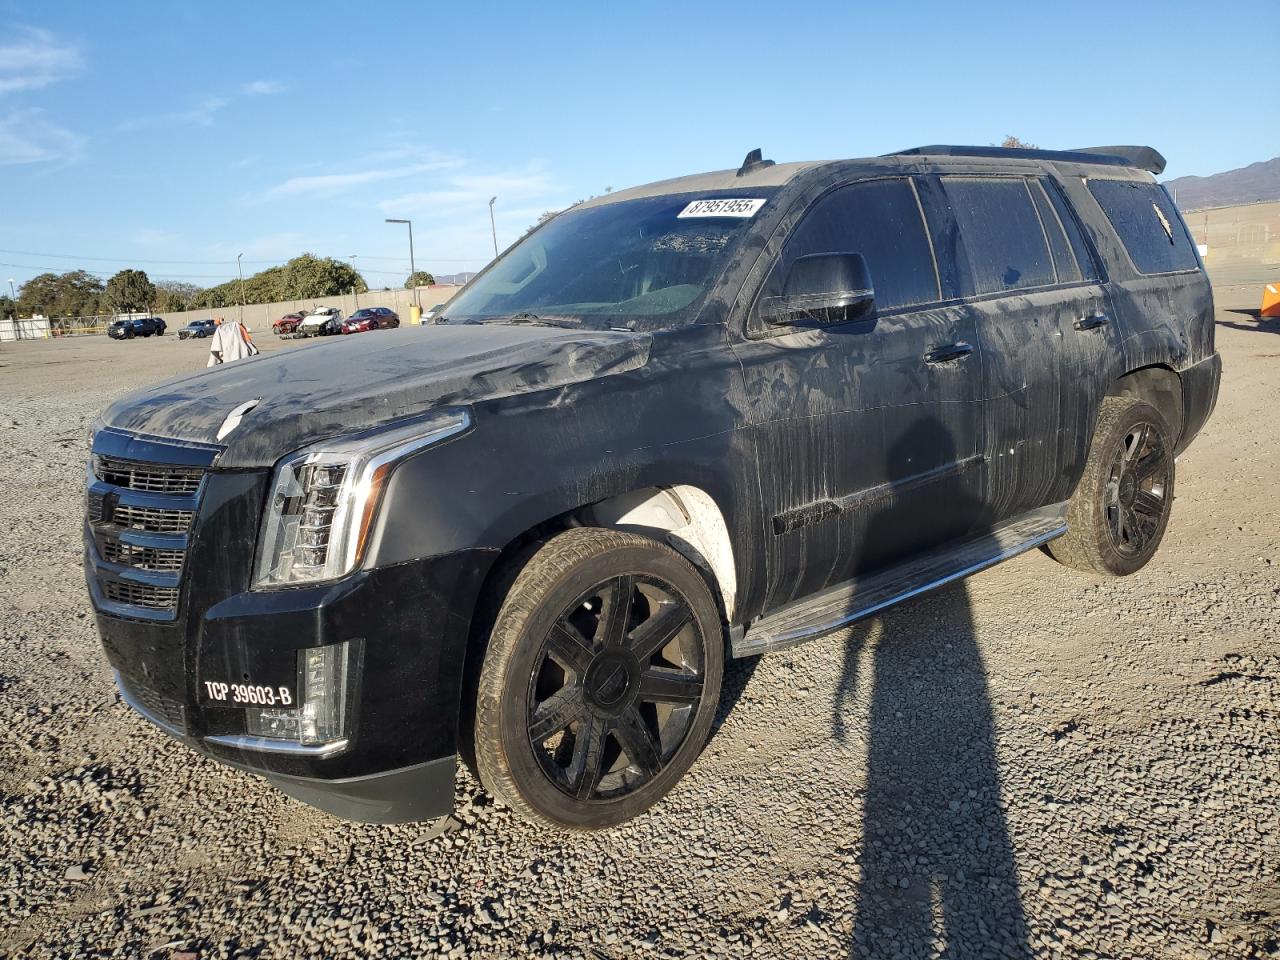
1158 385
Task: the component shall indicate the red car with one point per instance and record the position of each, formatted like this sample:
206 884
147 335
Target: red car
371 318
286 324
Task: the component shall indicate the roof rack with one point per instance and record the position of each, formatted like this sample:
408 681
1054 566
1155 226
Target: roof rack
1144 158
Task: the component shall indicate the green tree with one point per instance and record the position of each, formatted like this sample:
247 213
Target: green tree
419 278
73 294
8 306
129 291
174 295
307 277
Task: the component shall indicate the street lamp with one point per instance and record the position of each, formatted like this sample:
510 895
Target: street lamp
493 226
412 268
241 272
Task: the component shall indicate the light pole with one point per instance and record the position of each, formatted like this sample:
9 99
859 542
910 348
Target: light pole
13 309
241 272
412 267
355 293
493 226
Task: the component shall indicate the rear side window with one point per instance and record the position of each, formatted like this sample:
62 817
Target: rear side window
1148 225
1064 258
879 219
1067 219
1001 233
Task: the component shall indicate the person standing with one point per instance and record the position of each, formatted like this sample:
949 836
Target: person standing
230 341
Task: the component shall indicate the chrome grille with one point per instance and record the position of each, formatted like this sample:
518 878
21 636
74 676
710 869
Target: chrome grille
144 558
140 594
151 519
140 514
151 477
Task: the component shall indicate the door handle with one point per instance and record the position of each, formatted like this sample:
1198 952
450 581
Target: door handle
952 351
1093 322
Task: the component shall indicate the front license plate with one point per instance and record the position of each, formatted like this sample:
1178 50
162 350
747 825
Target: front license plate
247 695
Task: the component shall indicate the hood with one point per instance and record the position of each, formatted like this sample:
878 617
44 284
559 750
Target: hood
345 385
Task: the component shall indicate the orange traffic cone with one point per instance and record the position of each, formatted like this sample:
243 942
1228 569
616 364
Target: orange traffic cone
1270 301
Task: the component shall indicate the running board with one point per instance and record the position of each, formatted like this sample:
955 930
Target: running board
842 604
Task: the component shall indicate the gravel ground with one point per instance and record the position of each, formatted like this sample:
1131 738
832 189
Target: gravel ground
1031 763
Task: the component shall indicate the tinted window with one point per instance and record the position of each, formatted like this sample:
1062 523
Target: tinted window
1002 234
1069 223
879 219
1064 260
1147 224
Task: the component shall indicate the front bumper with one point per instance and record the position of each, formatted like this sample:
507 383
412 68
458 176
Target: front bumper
410 623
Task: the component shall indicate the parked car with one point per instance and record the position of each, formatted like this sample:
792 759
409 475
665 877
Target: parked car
320 322
287 324
708 418
126 328
197 329
371 318
433 315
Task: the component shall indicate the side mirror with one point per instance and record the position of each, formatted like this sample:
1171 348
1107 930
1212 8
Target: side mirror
827 287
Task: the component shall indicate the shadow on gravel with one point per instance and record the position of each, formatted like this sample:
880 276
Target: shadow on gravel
1260 323
937 867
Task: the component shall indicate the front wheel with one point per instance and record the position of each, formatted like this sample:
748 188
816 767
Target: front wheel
1120 509
600 682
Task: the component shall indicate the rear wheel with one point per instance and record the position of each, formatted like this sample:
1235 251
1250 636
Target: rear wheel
1120 509
600 682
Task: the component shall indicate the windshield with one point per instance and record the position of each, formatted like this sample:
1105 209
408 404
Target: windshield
649 261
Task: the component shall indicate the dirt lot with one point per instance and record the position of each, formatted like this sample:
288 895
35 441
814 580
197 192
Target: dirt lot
1032 763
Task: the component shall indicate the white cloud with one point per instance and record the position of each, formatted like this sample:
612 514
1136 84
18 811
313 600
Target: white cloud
330 183
27 137
35 59
262 88
202 115
468 190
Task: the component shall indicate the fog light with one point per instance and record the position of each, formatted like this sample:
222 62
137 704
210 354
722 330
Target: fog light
321 714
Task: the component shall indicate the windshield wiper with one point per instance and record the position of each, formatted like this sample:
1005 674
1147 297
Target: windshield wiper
531 318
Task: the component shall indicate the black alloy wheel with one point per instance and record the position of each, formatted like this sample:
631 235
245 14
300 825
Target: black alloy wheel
613 693
1136 488
600 681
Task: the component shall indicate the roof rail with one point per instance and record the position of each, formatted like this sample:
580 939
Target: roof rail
1144 158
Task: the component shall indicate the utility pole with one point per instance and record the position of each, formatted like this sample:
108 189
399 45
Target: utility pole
240 271
493 226
412 267
13 311
355 293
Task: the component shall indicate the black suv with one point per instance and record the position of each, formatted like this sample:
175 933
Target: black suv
711 417
126 328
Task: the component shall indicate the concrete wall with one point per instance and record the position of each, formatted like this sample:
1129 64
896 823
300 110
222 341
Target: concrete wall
258 317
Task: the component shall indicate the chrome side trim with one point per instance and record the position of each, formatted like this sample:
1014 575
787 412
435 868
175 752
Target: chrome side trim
818 630
271 745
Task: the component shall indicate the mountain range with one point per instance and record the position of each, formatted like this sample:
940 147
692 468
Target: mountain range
1252 184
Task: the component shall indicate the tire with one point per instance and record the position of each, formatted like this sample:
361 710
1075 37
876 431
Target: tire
584 720
1118 514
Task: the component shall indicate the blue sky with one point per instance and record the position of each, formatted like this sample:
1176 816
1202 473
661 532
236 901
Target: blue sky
144 134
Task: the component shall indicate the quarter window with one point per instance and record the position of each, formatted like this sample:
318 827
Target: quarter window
1147 223
1001 232
879 219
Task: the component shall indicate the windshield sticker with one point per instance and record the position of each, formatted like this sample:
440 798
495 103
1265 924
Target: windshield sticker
723 207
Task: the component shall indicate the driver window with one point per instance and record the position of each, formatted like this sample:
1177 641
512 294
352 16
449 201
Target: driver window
880 219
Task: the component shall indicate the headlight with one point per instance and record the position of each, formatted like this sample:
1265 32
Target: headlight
324 498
